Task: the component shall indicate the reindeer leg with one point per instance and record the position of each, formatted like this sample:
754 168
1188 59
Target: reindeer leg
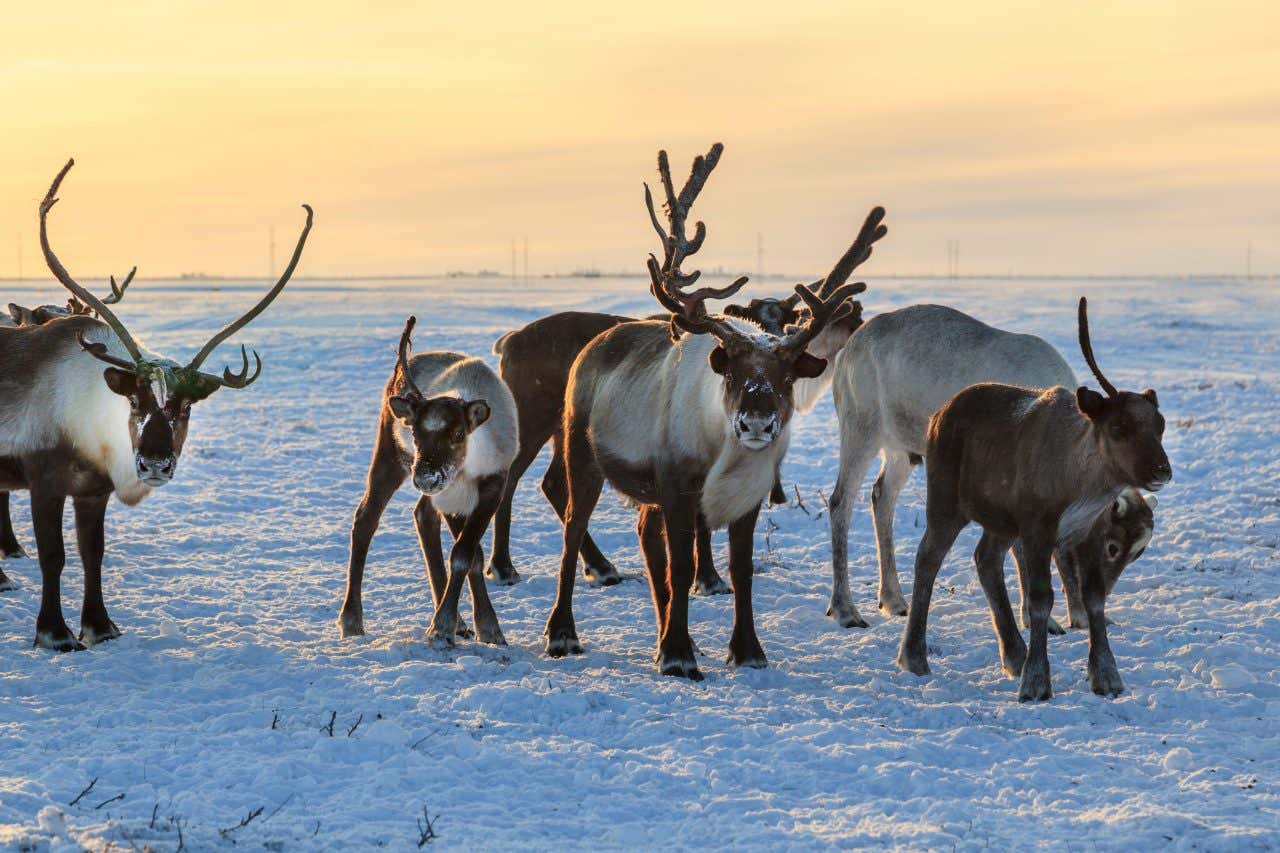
856 452
675 647
1037 547
777 495
500 569
486 619
939 535
427 521
585 482
894 474
1068 570
989 559
744 645
386 474
9 547
1020 561
653 545
1104 676
596 566
95 625
47 504
707 580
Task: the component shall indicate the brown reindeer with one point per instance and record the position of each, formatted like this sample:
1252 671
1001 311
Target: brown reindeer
71 428
10 548
535 362
1039 468
449 421
688 418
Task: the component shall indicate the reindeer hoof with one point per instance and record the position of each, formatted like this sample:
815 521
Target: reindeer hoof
893 606
6 583
503 575
1036 685
490 636
680 668
1013 662
847 616
58 640
13 552
558 647
439 638
350 625
463 631
605 575
916 663
91 634
713 585
1054 628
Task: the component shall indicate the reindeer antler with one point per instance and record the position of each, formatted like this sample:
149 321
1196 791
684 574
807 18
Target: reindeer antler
402 355
117 291
64 277
1086 347
688 311
827 300
242 379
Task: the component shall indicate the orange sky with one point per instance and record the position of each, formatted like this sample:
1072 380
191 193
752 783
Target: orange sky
1110 137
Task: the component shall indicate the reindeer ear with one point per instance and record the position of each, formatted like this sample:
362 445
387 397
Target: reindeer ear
21 316
1150 395
1121 506
719 360
1151 501
809 366
121 382
1090 403
477 413
401 408
735 311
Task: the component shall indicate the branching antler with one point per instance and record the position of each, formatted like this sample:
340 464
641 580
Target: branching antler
240 380
828 300
1086 347
688 310
117 291
82 300
61 274
406 344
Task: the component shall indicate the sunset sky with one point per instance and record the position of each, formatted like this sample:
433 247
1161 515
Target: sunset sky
1091 137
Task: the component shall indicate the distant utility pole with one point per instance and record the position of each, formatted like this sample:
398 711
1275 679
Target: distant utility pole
513 258
271 251
953 259
759 255
526 259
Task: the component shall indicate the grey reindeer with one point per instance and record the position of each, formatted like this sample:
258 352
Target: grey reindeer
1040 467
449 421
895 372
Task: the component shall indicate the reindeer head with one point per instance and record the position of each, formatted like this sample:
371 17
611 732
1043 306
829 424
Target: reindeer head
1129 524
1127 426
160 391
757 368
772 315
440 425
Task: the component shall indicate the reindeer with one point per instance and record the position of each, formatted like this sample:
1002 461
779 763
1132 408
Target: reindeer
688 424
895 372
535 362
10 548
69 428
1040 467
450 421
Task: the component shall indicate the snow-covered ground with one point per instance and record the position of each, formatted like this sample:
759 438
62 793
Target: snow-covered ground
217 701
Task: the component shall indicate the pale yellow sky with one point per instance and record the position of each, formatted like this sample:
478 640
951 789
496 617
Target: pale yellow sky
1106 137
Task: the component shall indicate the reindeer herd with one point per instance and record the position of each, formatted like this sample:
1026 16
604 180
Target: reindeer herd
686 413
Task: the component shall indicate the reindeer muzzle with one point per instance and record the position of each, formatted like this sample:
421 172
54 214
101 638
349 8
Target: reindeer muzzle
156 472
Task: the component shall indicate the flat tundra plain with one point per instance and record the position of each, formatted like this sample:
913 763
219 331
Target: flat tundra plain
231 715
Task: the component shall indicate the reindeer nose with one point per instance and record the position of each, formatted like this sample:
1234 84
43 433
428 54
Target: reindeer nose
756 426
156 471
429 483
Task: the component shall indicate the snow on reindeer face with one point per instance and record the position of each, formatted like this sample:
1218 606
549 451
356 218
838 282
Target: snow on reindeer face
758 379
440 427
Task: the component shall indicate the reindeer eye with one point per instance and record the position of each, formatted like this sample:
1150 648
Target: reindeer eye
1119 429
1113 550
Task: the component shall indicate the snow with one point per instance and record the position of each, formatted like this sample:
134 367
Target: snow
217 700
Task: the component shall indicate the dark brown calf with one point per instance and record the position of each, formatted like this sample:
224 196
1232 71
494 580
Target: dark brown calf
1036 468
